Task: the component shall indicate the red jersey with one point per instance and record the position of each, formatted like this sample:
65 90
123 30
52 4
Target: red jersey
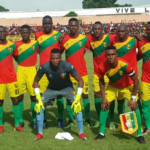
98 48
144 50
27 53
127 50
74 50
118 76
47 42
7 70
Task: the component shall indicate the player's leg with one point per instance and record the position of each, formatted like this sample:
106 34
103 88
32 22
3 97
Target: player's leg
68 106
47 98
110 96
2 96
127 93
145 96
43 83
97 98
60 105
21 80
30 75
13 92
86 101
68 93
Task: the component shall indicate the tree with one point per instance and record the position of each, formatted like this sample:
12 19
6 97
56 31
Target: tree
71 14
102 4
3 9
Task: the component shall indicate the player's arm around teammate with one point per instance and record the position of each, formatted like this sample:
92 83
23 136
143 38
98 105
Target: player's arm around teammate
26 56
8 80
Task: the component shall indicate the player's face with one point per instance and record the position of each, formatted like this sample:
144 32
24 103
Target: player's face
55 59
97 29
73 26
148 30
3 33
25 34
111 56
122 33
47 25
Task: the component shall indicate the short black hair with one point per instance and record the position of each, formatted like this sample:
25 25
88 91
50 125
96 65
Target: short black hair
98 22
73 19
110 48
3 27
25 26
55 50
47 17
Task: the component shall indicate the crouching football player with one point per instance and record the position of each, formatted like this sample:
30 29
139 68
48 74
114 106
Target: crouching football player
122 78
57 73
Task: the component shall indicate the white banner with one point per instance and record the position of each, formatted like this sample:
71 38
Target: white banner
82 12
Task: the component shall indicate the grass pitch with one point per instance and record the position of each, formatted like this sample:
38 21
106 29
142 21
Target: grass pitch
13 140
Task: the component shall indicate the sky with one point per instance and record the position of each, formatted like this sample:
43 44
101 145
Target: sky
43 5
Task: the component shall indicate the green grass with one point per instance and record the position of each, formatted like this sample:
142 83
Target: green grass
11 139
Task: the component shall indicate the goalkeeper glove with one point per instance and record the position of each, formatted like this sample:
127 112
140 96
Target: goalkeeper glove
76 104
39 103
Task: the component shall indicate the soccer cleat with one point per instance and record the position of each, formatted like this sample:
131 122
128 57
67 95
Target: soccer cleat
146 131
21 124
97 124
18 128
99 136
45 123
141 140
1 129
39 136
112 126
88 123
82 136
70 124
33 125
60 123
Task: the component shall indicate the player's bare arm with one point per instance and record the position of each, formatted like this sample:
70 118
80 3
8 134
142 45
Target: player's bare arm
36 80
80 80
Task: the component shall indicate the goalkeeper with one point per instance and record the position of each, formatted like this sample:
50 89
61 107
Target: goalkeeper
57 72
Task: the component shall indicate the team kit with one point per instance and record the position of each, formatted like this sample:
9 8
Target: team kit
115 77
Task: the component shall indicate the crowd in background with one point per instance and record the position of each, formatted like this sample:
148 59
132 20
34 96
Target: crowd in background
111 28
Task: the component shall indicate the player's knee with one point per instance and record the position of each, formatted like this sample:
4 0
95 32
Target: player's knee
97 94
15 100
33 98
21 98
85 96
1 102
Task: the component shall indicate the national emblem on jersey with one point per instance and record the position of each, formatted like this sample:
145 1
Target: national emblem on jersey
55 38
33 48
10 49
120 72
20 49
128 46
104 44
80 43
63 75
93 45
73 93
16 85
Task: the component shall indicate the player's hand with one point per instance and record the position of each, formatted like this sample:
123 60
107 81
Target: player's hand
62 36
132 104
76 104
139 37
105 104
39 104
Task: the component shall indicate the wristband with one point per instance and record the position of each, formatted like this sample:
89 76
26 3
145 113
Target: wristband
79 91
133 97
36 90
